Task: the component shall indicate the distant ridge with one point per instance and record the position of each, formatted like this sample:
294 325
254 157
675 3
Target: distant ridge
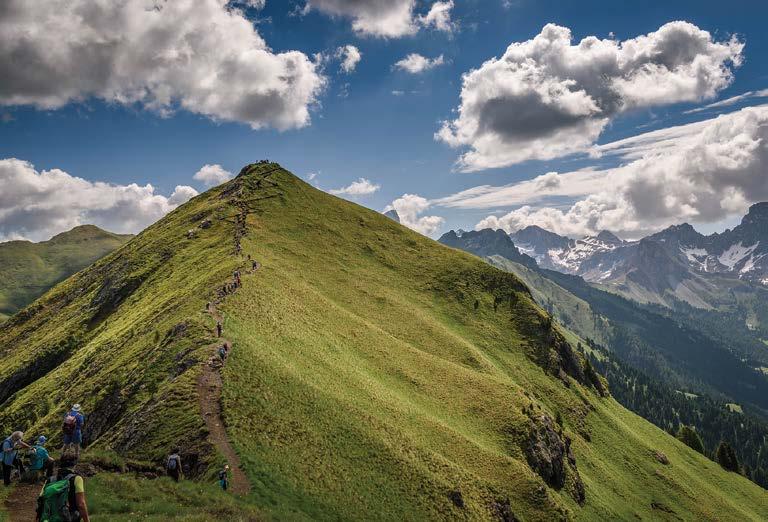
27 270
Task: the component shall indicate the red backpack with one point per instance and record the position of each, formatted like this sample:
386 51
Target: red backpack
69 425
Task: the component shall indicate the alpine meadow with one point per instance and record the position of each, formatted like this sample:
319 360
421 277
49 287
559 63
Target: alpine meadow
372 371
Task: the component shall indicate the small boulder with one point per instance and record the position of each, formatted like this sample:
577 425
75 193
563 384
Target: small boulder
457 498
502 510
661 457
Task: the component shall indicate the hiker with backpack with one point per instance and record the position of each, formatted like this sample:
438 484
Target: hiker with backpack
224 477
219 328
11 447
173 465
72 429
40 460
223 352
63 496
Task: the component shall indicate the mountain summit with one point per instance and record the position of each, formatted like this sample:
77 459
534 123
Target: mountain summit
373 373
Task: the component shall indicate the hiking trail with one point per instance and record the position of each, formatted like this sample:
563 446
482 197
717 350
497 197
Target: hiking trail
209 386
210 382
21 504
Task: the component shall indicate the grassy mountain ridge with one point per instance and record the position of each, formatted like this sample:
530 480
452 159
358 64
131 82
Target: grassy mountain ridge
374 373
27 270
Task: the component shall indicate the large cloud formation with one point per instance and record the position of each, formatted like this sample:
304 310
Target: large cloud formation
386 18
36 205
702 172
203 56
546 98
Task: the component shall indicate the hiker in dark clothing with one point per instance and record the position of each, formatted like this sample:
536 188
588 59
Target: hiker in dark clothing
11 447
219 328
224 478
173 465
63 491
223 352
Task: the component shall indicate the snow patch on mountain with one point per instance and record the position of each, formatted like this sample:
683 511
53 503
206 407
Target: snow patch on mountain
696 256
735 254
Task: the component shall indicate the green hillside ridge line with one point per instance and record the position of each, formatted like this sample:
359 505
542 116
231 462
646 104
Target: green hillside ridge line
28 270
374 372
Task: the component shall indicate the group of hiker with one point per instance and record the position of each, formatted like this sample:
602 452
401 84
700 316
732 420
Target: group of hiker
175 470
62 496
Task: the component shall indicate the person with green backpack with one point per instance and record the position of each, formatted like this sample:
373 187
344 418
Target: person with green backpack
63 496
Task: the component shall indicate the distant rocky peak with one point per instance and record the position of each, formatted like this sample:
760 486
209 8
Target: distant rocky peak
758 214
393 215
683 234
609 237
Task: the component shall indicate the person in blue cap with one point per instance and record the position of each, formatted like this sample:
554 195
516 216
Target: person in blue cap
40 459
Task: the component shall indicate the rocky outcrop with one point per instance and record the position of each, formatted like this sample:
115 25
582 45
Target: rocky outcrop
549 454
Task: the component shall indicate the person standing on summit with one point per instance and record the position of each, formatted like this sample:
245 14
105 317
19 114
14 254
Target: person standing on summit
72 429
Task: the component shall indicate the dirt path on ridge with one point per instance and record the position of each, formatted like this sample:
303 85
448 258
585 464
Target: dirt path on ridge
21 504
209 386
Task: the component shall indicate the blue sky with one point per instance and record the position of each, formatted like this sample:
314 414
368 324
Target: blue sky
359 128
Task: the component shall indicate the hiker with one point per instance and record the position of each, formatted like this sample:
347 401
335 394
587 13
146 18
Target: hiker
63 495
223 352
224 477
255 266
40 460
72 428
219 328
237 278
11 446
173 465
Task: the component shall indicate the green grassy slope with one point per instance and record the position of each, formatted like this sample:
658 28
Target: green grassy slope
28 270
569 310
375 373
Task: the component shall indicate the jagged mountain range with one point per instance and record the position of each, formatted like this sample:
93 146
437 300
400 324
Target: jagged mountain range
677 263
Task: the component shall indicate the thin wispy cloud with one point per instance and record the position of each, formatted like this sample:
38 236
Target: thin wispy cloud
728 102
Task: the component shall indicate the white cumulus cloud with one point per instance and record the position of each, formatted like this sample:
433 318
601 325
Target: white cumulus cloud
415 63
212 175
386 18
702 172
196 55
350 56
439 17
36 205
361 187
547 97
410 207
